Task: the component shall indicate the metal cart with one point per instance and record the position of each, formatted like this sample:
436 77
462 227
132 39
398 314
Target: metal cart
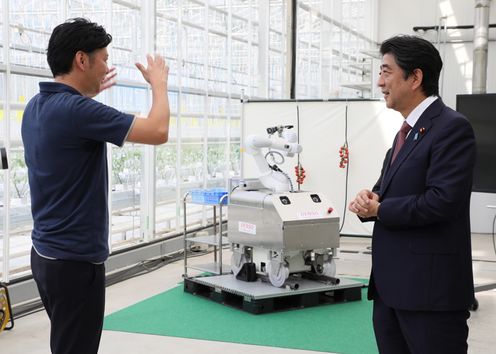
216 240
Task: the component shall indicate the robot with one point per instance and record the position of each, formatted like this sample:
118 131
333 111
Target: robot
275 231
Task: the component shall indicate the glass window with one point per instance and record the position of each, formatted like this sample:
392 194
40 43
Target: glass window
333 38
127 41
20 220
96 11
30 30
126 191
2 42
166 207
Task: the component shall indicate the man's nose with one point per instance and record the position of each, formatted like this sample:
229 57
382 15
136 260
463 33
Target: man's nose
380 81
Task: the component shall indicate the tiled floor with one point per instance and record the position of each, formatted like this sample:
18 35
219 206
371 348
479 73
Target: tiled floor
31 333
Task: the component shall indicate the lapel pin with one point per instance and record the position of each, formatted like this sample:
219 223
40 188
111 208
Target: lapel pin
422 130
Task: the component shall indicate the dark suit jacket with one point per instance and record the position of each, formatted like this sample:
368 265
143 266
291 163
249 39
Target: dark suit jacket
421 248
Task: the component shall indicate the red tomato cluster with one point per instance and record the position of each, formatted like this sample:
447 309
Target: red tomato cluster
343 154
300 173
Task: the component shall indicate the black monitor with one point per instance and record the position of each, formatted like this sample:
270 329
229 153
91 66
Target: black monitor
480 109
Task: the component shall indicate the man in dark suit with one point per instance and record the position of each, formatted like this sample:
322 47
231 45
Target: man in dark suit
421 279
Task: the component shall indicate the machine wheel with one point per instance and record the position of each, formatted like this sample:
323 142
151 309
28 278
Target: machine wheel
237 261
329 269
278 273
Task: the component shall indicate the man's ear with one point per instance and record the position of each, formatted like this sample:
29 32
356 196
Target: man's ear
417 76
81 60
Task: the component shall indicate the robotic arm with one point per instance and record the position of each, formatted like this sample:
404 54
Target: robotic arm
273 178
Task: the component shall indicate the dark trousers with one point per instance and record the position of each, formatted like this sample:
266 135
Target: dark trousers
73 294
419 332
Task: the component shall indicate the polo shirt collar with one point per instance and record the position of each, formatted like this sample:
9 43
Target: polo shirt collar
57 87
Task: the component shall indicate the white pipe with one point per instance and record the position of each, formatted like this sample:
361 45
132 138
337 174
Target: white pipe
481 34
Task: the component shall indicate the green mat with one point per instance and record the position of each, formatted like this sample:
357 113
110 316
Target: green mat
340 328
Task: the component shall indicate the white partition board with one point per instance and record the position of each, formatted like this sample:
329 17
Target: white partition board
370 127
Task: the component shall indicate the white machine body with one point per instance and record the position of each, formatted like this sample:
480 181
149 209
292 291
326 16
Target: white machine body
282 233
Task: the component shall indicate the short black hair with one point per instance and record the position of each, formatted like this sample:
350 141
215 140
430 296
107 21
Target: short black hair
76 34
410 53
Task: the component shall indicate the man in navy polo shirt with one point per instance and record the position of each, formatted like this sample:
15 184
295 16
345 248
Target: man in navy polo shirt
65 132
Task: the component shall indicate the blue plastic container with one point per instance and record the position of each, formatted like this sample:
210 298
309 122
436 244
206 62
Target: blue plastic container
208 196
197 196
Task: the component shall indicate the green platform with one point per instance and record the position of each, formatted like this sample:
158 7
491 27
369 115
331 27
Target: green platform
339 328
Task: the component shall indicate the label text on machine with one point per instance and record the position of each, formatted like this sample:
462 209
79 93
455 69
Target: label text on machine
310 214
247 228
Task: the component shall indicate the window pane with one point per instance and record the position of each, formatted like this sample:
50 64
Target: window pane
30 28
126 188
20 220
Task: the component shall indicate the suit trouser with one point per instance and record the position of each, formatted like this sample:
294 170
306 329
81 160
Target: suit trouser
419 332
73 294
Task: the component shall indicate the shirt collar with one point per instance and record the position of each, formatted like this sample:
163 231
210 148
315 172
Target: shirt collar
414 115
57 87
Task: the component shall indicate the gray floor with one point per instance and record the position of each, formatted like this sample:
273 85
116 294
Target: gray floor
31 333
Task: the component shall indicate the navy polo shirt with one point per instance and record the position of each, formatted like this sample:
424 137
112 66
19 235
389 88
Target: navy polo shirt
64 136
